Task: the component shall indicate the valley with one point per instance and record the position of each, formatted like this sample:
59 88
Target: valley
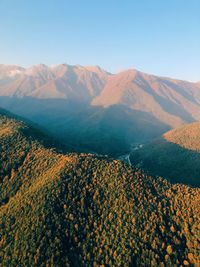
73 209
88 107
174 155
91 172
99 164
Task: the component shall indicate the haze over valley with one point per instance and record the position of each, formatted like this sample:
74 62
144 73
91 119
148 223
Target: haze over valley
89 108
99 133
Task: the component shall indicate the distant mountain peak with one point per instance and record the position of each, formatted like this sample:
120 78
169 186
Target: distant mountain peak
95 69
171 101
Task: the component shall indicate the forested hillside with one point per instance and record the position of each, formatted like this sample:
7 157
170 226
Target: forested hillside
175 155
85 210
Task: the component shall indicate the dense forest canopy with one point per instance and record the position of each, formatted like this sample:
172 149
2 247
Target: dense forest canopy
85 210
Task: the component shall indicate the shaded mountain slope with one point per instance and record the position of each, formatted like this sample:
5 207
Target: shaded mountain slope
102 130
175 155
84 210
99 111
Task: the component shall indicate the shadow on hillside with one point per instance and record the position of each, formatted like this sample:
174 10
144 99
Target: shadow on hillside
87 128
37 133
169 160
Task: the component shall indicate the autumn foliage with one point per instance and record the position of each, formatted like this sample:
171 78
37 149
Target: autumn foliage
86 210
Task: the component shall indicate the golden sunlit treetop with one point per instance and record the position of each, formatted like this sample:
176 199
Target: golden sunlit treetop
87 210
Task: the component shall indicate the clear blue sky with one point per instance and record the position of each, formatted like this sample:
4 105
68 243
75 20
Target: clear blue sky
155 36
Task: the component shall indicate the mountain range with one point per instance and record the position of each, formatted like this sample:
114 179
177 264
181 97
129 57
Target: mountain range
60 209
89 108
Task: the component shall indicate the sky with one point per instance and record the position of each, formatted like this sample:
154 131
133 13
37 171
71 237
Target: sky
155 36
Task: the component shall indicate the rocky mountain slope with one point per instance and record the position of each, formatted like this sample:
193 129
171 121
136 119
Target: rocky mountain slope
171 101
59 81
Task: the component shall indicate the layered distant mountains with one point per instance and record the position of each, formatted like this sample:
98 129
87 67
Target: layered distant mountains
98 111
86 210
82 209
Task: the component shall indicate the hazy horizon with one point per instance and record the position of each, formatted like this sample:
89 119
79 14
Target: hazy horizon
150 36
112 73
99 133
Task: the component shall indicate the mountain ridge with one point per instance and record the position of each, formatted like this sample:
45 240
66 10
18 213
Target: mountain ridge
86 210
93 68
91 107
